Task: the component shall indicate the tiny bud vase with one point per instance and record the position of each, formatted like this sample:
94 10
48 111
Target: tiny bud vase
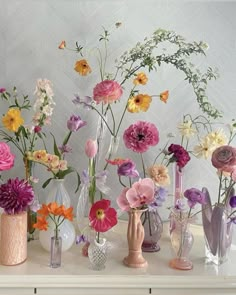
135 237
97 253
182 242
218 231
13 238
153 228
55 253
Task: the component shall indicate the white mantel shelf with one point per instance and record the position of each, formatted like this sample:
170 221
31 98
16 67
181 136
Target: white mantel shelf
75 275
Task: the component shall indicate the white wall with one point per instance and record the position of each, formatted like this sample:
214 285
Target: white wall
30 31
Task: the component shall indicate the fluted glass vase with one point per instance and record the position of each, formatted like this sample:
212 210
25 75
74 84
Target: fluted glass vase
218 231
182 242
97 253
153 228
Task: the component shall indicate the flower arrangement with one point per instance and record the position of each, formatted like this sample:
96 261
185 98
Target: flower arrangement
16 195
22 135
56 213
56 162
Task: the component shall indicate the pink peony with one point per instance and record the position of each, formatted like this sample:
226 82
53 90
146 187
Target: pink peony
140 194
6 157
224 158
140 136
107 91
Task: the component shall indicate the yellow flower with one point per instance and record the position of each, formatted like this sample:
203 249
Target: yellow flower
159 174
141 78
39 156
140 102
186 129
164 96
82 67
12 120
218 137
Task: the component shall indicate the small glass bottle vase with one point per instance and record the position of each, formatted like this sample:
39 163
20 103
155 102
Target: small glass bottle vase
56 247
153 228
182 242
97 253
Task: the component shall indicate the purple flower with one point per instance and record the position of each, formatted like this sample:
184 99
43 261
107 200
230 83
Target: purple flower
232 201
179 205
140 136
2 90
233 219
160 194
16 195
75 123
86 102
194 196
127 169
65 148
81 239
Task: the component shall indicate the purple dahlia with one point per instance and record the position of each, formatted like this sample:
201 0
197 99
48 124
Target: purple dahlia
16 195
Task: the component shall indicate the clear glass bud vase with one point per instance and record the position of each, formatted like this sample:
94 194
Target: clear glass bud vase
56 247
153 228
182 242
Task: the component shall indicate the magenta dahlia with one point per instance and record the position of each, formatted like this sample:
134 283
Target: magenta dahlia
16 195
140 136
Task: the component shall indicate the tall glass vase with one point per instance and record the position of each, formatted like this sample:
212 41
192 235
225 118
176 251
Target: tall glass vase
153 228
135 237
177 181
218 232
182 242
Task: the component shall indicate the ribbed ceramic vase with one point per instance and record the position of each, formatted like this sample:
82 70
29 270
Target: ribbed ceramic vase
218 231
13 238
135 237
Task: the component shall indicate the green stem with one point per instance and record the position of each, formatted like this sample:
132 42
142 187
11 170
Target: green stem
221 173
92 188
144 172
121 119
65 141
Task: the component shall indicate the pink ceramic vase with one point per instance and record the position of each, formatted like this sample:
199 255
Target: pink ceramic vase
135 237
13 238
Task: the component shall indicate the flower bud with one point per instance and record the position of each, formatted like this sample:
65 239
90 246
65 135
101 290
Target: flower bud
75 123
91 148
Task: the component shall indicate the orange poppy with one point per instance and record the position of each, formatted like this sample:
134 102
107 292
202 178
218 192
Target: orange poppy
44 210
42 223
55 209
82 67
68 213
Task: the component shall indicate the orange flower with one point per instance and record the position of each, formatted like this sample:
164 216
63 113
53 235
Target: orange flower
42 223
138 103
62 45
68 214
141 78
56 210
44 210
82 67
164 96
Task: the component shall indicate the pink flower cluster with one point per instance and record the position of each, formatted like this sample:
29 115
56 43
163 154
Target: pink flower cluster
179 155
107 91
138 196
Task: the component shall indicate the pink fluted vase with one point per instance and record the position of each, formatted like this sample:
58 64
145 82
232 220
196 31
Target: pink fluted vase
135 237
13 238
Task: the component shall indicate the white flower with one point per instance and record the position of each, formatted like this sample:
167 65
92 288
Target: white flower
186 129
47 110
205 148
218 137
44 85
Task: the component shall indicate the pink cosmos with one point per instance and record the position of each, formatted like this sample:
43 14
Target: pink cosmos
140 194
140 136
107 91
6 157
91 148
101 216
224 158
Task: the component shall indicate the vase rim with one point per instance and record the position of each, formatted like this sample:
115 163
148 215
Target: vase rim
102 242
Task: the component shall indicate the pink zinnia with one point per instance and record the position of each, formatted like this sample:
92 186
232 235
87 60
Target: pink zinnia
107 91
140 136
15 196
101 216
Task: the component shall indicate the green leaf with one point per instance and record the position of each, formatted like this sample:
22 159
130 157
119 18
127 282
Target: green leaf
56 150
46 182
